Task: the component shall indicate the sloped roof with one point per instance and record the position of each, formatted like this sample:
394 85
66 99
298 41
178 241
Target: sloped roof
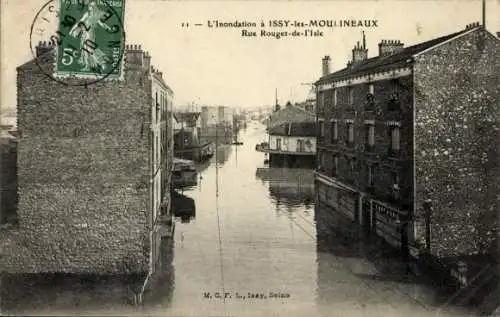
291 114
380 63
305 129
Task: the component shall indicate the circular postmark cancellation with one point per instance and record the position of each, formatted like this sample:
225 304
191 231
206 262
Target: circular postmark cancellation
86 39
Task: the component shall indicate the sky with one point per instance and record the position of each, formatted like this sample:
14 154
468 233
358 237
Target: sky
217 66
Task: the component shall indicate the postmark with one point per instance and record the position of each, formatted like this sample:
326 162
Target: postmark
86 39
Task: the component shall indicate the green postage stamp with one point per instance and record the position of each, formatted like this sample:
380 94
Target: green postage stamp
91 38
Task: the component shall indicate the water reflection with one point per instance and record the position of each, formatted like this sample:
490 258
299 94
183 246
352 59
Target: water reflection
23 294
357 272
222 154
183 207
291 187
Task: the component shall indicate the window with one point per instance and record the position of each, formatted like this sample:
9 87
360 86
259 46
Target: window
395 87
335 165
371 176
278 144
371 89
350 95
350 133
352 166
395 185
321 128
157 102
321 100
334 131
370 135
300 146
321 160
395 138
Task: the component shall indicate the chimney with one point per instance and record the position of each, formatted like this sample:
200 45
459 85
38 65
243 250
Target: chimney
359 52
326 65
498 34
146 61
43 47
134 55
389 47
472 25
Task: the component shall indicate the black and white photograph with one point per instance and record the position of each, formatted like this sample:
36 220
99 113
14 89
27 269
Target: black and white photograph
243 158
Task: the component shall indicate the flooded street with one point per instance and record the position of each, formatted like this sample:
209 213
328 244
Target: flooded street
258 237
257 233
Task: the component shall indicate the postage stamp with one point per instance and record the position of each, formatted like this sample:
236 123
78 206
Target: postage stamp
87 36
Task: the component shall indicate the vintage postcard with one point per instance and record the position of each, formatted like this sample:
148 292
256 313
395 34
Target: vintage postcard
250 158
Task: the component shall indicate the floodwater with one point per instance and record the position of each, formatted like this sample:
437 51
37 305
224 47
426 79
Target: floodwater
257 244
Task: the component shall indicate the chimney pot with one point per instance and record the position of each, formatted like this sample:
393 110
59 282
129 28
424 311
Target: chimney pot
389 47
326 65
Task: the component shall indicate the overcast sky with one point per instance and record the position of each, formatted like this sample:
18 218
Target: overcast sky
220 67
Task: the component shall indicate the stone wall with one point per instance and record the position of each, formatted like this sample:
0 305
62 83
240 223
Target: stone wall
456 133
84 176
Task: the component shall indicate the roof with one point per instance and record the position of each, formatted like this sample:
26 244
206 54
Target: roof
291 113
304 129
380 63
186 116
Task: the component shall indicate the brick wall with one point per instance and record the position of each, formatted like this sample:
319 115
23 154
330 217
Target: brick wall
456 133
83 176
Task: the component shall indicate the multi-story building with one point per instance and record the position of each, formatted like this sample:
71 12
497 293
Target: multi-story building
408 139
94 168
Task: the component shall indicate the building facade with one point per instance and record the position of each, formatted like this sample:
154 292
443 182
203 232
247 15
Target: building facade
406 141
94 168
216 124
291 138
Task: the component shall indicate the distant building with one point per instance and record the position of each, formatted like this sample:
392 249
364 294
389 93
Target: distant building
190 124
187 142
412 135
94 171
216 124
291 138
310 103
8 118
